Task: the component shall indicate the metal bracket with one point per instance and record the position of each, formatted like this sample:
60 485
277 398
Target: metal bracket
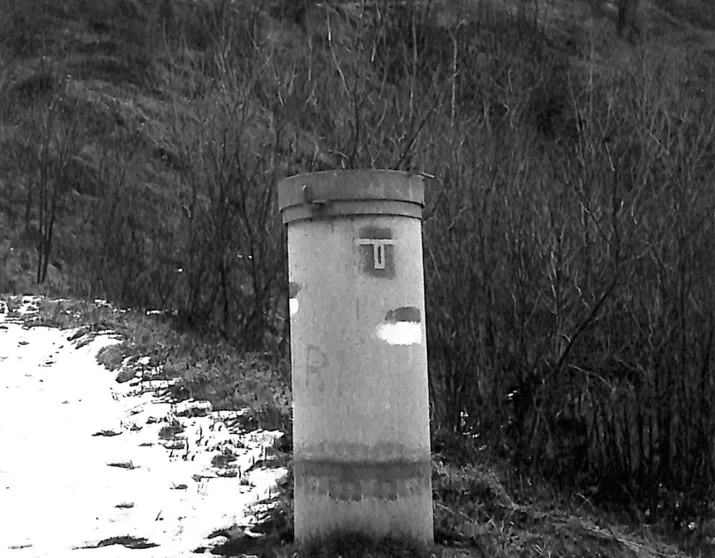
309 199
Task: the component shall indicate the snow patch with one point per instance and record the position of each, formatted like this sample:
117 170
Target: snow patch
84 458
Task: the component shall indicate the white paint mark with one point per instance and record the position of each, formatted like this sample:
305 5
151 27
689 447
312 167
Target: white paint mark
400 333
293 306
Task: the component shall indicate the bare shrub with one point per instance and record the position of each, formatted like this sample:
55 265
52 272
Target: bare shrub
229 236
569 272
52 138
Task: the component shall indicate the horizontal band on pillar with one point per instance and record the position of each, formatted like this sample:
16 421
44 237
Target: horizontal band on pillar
351 207
355 481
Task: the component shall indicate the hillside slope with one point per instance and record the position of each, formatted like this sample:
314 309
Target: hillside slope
131 80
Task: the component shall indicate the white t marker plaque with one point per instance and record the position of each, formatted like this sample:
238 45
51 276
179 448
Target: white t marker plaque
377 256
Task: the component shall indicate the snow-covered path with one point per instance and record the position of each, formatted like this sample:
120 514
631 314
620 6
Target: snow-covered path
82 462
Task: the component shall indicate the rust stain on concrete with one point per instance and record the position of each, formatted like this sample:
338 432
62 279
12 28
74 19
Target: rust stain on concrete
404 314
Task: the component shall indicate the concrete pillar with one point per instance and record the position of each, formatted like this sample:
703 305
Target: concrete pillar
359 358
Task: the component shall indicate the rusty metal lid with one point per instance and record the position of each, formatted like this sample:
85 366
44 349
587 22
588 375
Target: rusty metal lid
355 192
